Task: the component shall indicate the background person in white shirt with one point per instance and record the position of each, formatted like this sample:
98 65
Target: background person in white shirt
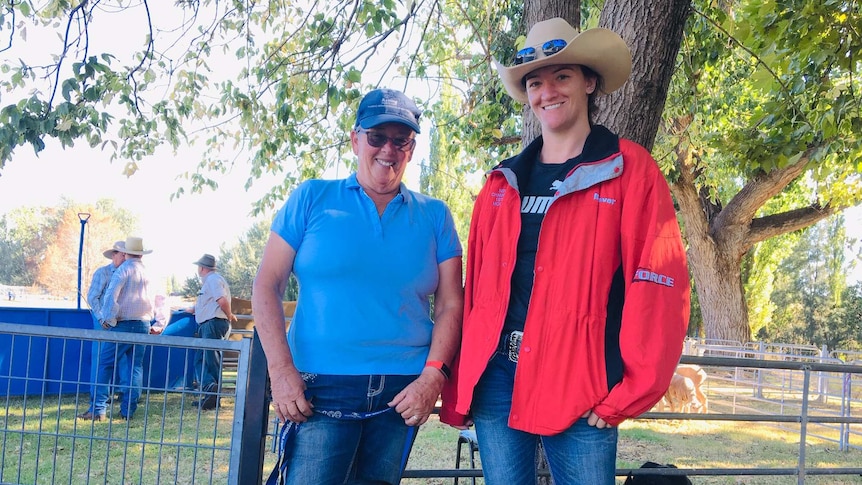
213 315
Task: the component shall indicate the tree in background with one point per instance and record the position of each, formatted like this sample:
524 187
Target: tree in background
192 287
42 243
107 223
763 136
173 286
808 305
24 235
760 269
238 265
764 100
848 320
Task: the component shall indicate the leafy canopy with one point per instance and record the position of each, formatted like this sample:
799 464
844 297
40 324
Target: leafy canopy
271 87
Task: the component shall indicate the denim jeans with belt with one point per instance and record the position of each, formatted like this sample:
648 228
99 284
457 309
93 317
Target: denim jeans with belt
128 361
337 446
580 455
208 362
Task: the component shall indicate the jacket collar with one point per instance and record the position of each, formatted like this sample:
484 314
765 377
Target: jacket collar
600 144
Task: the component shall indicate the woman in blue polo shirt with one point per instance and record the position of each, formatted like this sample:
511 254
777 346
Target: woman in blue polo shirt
364 361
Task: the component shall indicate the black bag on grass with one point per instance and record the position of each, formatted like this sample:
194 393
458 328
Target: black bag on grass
656 479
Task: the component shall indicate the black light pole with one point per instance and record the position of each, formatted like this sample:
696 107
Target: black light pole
84 217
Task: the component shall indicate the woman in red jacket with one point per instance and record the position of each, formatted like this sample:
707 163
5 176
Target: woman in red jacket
577 295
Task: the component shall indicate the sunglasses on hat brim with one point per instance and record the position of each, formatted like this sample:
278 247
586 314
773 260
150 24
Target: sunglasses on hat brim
549 48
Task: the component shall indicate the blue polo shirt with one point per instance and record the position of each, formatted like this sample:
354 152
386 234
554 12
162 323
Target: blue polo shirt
364 280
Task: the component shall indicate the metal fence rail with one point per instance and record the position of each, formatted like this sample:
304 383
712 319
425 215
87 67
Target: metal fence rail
45 373
770 390
806 417
802 414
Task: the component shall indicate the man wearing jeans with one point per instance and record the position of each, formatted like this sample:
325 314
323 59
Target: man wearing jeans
213 316
96 297
126 307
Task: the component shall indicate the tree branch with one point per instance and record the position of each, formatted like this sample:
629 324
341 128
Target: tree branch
744 205
784 89
763 228
695 206
62 57
11 10
684 189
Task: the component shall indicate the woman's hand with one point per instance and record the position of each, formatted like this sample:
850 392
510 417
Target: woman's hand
593 419
288 396
416 402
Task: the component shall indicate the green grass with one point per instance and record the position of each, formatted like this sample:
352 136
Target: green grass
686 444
169 441
726 444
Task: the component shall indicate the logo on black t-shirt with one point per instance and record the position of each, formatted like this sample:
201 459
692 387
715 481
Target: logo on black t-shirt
538 204
533 204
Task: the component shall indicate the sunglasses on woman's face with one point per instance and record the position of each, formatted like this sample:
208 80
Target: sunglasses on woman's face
378 140
549 48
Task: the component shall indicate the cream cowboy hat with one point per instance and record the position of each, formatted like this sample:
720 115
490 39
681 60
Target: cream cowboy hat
601 50
135 245
118 247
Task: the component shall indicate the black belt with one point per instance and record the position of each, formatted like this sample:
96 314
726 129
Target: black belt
211 319
510 345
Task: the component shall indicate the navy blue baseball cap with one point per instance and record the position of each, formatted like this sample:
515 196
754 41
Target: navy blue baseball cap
385 106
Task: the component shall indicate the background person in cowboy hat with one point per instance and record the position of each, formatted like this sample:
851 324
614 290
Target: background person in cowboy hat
213 315
576 296
127 307
95 296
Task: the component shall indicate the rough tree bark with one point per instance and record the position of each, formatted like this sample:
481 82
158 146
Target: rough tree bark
635 110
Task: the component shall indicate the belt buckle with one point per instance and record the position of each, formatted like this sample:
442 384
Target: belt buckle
515 344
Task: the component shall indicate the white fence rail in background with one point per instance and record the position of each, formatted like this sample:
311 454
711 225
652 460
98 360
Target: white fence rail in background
780 391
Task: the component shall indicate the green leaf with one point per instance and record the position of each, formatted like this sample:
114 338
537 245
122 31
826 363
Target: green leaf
69 85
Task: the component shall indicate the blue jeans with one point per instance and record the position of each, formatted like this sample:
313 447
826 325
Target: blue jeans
111 355
208 362
184 326
94 364
582 454
333 449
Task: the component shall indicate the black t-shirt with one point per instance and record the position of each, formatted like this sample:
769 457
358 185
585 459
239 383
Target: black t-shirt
537 192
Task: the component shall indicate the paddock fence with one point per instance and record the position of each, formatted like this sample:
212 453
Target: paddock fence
45 371
46 374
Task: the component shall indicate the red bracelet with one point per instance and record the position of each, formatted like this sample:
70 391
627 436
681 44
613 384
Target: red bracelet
443 368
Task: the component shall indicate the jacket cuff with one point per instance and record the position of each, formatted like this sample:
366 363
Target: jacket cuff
452 418
610 415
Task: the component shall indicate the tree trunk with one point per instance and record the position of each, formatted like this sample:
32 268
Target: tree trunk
718 236
722 296
635 110
714 262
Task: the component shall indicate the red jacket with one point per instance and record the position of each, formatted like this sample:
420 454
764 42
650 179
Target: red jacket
610 302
